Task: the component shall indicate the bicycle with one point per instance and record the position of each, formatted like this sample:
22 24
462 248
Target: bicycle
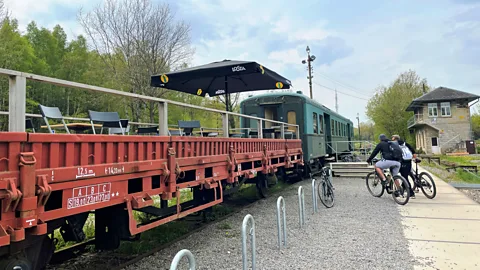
398 191
422 180
325 188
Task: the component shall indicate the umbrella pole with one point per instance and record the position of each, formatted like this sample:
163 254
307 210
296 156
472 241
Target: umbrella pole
227 101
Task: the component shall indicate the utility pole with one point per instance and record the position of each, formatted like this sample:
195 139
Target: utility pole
336 100
309 60
358 120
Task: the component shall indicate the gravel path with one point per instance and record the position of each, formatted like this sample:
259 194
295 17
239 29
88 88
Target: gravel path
359 232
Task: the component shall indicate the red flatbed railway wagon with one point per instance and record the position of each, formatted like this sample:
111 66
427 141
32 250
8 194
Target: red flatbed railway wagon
52 181
49 181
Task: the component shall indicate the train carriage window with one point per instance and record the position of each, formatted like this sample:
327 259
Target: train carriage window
321 123
292 119
253 122
315 123
332 127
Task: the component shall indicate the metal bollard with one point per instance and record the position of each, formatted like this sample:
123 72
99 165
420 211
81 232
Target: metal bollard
179 256
244 240
301 205
314 197
280 200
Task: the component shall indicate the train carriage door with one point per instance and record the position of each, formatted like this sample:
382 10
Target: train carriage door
271 114
328 133
292 119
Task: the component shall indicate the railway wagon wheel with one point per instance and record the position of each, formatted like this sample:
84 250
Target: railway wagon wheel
264 183
16 263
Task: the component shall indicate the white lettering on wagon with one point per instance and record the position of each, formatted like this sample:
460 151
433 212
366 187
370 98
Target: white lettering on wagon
88 195
29 221
84 172
114 170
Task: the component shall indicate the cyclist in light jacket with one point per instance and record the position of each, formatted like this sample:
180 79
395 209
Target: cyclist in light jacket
406 163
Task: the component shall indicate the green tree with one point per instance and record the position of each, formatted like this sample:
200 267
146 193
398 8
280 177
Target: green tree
387 107
476 125
367 132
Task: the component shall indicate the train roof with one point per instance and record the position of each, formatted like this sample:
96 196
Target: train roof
300 95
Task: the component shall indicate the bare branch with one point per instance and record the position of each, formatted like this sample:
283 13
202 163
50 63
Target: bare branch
3 12
137 39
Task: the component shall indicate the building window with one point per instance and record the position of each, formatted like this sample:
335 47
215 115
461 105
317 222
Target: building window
315 124
320 117
445 109
432 110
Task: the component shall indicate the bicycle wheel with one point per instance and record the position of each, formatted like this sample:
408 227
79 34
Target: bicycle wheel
427 185
373 179
413 183
325 192
402 192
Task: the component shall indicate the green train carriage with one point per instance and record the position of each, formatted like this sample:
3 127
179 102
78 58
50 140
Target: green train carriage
323 132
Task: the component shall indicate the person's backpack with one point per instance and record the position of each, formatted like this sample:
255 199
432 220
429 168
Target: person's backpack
407 154
397 153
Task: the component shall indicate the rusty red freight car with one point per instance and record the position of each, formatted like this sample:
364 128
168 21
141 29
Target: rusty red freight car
50 181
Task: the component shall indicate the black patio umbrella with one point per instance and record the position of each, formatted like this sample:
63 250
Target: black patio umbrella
221 78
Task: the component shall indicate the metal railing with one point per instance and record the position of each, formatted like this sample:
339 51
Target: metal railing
314 196
178 258
281 205
246 219
17 96
301 206
361 148
417 118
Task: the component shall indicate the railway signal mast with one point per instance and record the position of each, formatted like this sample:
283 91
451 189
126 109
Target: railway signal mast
309 60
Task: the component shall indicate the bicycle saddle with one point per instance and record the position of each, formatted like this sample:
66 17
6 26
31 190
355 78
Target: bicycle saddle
417 160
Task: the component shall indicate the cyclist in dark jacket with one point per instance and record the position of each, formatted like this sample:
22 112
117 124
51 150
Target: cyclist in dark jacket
387 161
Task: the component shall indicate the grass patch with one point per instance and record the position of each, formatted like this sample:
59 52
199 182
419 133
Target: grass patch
462 160
458 176
155 237
88 229
224 226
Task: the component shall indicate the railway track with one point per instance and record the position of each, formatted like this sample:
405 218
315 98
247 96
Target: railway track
75 257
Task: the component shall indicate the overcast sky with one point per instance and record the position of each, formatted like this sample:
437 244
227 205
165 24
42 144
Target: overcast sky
358 45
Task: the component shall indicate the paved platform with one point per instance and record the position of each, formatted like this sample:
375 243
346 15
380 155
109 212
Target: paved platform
443 233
